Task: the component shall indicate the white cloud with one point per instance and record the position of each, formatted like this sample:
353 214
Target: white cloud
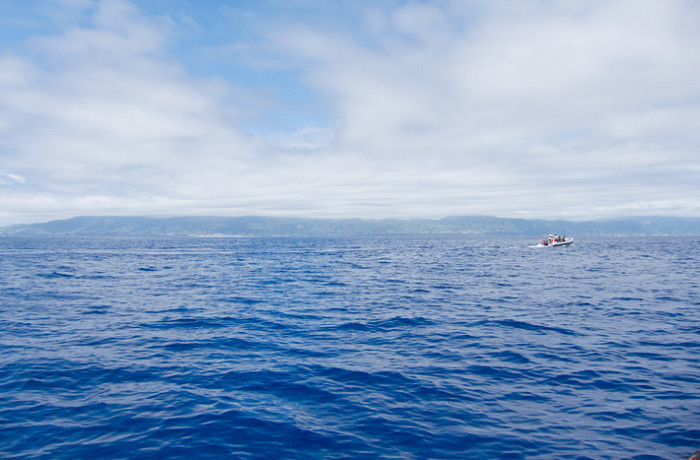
559 92
9 178
515 108
103 114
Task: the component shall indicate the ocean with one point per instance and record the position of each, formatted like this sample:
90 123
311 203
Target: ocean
309 348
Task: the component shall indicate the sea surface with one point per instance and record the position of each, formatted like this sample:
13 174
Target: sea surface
398 348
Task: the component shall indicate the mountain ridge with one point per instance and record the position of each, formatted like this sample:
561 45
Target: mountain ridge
258 226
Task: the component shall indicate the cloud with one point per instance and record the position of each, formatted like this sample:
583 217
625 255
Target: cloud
507 74
514 108
101 113
542 95
8 178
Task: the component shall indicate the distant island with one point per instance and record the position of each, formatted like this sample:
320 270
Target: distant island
253 226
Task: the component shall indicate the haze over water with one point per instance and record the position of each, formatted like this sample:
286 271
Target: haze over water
349 348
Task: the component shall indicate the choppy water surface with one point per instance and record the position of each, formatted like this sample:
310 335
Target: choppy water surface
349 348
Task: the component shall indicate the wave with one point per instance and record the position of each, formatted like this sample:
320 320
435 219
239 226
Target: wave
363 348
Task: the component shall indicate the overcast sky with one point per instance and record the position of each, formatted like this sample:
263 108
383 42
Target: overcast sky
535 109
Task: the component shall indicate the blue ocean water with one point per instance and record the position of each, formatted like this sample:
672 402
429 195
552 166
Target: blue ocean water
403 348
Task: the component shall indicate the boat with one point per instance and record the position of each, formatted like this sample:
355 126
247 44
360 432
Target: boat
555 240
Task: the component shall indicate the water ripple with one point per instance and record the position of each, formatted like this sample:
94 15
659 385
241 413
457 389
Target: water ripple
361 348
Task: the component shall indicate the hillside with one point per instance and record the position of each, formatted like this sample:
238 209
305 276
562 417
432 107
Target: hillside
300 227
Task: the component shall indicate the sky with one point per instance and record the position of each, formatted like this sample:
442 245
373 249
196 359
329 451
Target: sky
578 109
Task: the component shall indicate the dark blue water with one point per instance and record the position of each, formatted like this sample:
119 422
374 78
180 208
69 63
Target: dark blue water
349 348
